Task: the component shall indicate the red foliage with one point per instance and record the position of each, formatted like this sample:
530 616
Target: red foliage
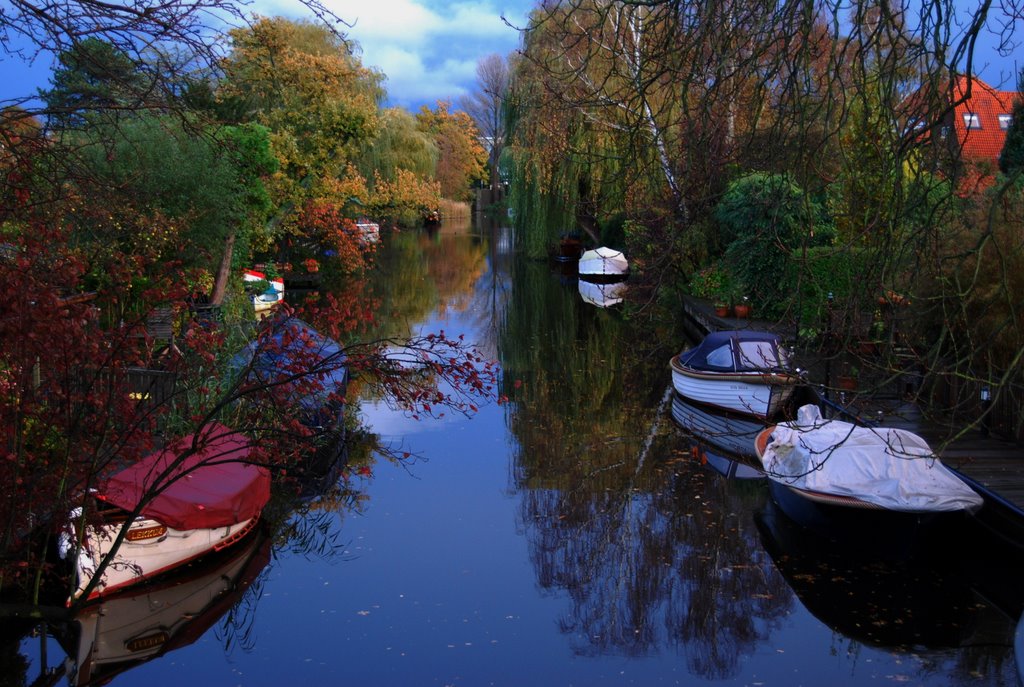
69 370
324 222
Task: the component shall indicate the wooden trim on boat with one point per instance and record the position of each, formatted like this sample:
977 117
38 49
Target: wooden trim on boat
761 440
781 378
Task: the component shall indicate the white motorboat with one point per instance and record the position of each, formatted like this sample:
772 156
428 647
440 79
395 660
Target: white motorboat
742 371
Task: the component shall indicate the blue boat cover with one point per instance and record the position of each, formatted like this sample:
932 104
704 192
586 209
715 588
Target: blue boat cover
308 367
737 351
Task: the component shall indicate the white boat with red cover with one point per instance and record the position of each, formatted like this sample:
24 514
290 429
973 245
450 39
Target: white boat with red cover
207 498
269 298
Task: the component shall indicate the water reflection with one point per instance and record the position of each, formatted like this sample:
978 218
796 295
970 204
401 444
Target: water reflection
602 295
924 602
731 433
127 630
652 554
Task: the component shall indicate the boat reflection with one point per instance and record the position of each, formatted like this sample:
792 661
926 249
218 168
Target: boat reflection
131 628
602 295
723 440
928 601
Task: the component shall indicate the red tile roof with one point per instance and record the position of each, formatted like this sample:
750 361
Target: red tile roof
986 104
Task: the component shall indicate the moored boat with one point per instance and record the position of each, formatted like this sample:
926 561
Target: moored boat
831 471
272 296
742 371
197 496
125 630
303 367
368 232
603 263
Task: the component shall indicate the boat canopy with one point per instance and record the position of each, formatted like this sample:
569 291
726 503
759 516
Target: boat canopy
737 351
886 466
212 487
306 367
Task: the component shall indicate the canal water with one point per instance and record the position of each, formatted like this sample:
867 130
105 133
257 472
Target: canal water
575 535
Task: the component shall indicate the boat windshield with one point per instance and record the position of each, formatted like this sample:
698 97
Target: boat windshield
761 355
721 357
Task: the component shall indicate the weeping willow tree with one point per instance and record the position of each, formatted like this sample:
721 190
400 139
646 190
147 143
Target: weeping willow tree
674 100
400 144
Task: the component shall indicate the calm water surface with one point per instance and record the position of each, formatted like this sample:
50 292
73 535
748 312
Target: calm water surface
574 536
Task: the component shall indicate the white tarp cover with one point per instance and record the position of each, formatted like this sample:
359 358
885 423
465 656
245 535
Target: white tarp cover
889 467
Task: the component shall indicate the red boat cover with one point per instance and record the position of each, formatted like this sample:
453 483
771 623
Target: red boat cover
211 487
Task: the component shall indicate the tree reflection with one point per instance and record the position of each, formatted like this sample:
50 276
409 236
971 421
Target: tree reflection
654 552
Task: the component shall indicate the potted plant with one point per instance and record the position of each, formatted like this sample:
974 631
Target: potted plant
713 283
847 380
742 308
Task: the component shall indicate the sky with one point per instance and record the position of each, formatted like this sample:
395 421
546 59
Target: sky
429 49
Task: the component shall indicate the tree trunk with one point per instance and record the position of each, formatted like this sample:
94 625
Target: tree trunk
220 282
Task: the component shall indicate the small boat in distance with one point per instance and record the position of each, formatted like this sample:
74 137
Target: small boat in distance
368 231
839 468
272 296
743 371
207 498
603 263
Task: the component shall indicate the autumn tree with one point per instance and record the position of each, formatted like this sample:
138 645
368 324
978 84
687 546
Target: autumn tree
400 145
462 161
305 85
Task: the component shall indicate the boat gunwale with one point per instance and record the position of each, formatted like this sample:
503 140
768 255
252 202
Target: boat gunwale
781 377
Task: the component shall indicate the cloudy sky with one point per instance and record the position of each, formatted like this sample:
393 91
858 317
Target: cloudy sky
428 49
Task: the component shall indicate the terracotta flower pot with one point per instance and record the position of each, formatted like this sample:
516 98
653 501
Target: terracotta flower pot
742 310
847 383
722 310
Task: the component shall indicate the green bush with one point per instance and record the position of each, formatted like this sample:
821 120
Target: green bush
766 218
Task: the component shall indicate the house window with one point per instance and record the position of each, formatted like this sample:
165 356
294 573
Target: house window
972 121
1004 121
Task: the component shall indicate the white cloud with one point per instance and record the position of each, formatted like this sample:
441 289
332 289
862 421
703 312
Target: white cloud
428 49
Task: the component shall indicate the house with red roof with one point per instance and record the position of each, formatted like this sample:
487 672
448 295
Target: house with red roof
980 118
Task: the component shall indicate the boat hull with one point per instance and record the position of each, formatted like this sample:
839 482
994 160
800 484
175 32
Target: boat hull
149 549
758 394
